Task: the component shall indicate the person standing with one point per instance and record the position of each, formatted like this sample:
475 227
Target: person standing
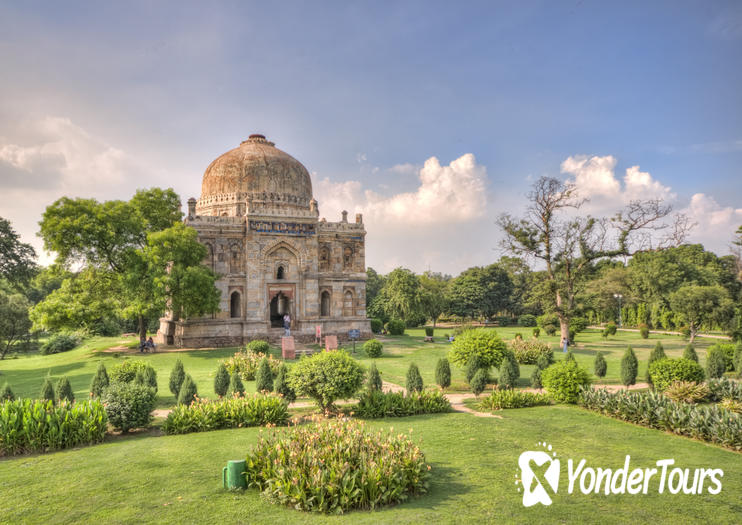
287 325
565 342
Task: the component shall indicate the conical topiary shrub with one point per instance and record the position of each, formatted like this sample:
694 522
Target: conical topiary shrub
472 367
188 391
716 363
100 381
600 366
221 380
177 375
282 386
629 367
373 383
264 377
414 379
690 353
235 385
509 373
150 378
64 390
47 390
536 379
657 353
443 373
6 394
479 382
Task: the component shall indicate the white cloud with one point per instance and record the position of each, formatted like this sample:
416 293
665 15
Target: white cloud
422 227
595 179
715 224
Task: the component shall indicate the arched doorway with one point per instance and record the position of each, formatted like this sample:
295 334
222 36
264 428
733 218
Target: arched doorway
234 305
348 304
279 307
325 304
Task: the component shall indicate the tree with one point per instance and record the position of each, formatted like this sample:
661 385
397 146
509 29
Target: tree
600 366
327 376
14 322
188 391
698 305
509 373
264 377
443 373
657 353
629 367
17 259
479 382
690 353
716 362
374 284
480 291
221 380
47 390
177 375
100 381
235 385
282 386
414 379
373 383
63 392
400 296
433 295
569 247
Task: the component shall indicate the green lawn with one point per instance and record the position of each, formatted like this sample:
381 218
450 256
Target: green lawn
26 373
177 479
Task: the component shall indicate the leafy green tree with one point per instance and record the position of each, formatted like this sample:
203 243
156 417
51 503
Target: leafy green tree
100 381
17 259
698 305
14 322
47 390
690 353
221 380
479 382
480 291
374 284
282 385
570 246
443 373
188 391
600 366
629 367
235 385
264 377
414 379
373 383
400 296
433 295
63 392
177 376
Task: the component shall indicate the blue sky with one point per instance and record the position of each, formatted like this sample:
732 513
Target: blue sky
98 100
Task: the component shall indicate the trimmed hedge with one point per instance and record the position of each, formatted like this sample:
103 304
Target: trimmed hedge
375 404
377 325
258 346
663 372
395 327
204 415
129 405
654 410
373 348
32 425
500 399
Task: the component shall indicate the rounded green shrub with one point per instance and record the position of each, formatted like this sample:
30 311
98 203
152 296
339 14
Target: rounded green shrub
188 391
443 373
414 381
63 392
377 325
479 382
177 375
664 372
716 362
429 331
343 454
536 332
527 320
550 329
282 386
395 327
258 346
577 325
563 381
547 319
373 348
221 380
528 352
600 365
100 381
629 367
264 377
326 376
690 353
59 343
374 383
126 371
610 329
728 350
483 343
644 331
236 388
129 405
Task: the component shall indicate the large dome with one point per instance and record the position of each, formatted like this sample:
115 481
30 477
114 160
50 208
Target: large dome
259 170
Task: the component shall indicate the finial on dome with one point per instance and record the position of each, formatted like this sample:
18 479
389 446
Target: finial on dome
257 138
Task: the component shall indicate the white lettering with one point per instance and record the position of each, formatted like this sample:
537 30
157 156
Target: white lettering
571 475
676 474
648 473
604 475
621 474
634 485
587 489
715 481
664 463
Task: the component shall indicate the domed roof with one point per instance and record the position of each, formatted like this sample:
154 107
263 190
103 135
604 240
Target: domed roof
254 168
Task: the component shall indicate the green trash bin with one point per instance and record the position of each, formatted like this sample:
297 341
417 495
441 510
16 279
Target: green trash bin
233 475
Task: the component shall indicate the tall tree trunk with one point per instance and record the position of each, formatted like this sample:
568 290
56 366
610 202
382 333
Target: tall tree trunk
563 328
142 329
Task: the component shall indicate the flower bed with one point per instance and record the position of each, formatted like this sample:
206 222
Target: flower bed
28 425
500 399
395 404
336 465
707 423
204 415
247 361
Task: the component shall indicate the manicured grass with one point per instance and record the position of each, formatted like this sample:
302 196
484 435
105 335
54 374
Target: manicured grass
177 479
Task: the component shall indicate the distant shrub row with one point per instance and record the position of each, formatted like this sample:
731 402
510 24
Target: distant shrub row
377 404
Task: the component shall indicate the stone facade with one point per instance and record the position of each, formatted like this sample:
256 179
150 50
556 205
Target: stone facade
273 254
